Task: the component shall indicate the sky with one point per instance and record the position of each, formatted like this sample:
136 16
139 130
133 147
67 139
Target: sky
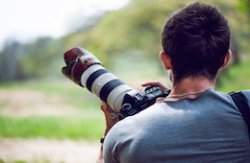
25 20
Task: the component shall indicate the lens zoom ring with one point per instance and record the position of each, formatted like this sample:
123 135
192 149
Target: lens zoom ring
93 76
108 87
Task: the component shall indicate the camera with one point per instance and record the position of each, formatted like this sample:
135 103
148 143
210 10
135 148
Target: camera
87 71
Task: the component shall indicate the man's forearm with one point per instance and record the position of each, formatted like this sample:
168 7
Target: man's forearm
110 122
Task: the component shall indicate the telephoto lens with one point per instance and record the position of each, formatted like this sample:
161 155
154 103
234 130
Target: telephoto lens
86 70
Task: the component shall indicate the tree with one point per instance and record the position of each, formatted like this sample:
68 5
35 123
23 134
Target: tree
9 61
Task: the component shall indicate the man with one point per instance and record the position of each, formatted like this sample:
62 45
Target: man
194 123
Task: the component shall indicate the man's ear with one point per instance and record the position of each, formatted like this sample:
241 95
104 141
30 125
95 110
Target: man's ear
166 60
227 59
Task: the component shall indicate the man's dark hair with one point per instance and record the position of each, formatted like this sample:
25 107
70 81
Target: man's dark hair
197 40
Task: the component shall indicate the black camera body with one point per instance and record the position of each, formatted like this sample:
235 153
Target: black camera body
135 101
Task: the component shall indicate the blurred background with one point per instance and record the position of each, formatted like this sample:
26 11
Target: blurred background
44 117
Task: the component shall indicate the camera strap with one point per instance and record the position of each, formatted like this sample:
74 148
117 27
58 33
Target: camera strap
242 104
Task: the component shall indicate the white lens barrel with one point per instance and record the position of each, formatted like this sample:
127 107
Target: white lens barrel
88 72
116 96
105 85
100 82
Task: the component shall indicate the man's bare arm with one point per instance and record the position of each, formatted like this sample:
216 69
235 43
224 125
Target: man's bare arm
111 119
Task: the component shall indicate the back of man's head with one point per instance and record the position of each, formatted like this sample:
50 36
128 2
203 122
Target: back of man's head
197 39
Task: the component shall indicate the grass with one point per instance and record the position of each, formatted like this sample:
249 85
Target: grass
87 123
70 93
78 127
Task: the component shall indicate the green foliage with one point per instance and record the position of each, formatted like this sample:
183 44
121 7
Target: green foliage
137 28
40 56
134 28
244 5
9 61
237 77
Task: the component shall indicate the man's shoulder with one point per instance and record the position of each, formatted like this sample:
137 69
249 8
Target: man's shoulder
137 121
144 114
133 126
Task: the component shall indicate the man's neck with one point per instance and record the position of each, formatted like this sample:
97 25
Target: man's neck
191 87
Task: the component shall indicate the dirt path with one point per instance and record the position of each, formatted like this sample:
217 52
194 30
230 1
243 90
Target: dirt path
52 151
21 103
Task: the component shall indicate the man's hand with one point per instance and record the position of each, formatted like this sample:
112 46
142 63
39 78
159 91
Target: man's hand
110 116
159 84
154 84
